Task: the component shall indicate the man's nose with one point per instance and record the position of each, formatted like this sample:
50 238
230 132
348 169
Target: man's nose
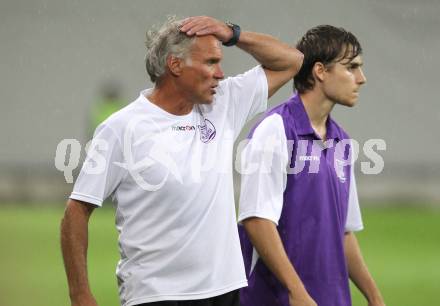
361 79
218 74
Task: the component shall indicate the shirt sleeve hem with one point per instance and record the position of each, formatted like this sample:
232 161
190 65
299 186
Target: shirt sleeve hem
265 93
86 198
247 215
355 228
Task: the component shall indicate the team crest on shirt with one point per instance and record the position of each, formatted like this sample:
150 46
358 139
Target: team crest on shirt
207 131
340 170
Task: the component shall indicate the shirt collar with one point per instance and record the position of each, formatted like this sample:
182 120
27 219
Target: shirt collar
302 121
332 129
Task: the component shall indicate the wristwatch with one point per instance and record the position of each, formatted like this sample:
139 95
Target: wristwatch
235 34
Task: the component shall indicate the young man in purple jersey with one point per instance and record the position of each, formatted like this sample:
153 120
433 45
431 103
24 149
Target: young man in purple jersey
300 209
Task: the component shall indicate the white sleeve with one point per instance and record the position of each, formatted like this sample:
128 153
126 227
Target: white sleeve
100 175
248 94
263 167
354 218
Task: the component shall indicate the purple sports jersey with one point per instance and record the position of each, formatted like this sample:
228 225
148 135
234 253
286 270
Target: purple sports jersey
313 217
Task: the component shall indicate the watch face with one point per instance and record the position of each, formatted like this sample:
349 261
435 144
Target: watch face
229 24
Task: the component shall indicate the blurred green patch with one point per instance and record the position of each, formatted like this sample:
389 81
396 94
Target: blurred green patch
400 245
402 249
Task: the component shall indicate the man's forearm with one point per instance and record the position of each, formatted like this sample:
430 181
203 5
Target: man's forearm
272 53
265 238
267 50
358 271
280 61
74 241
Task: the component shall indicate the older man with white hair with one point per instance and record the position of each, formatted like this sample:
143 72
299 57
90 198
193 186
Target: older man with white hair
166 160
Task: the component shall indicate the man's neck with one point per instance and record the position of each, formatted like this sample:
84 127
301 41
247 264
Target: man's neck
318 108
169 98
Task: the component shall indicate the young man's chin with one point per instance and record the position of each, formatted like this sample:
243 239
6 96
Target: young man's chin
352 103
346 103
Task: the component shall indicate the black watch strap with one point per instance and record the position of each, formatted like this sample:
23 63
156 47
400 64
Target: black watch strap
235 34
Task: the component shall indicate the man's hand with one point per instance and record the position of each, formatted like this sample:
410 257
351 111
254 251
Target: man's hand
303 299
203 25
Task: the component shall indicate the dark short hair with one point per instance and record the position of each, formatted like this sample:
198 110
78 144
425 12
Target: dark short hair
326 44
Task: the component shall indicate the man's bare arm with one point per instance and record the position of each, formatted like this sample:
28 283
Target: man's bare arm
74 242
266 240
280 61
359 273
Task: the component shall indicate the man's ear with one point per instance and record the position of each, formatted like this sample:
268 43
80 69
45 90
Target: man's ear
319 71
175 65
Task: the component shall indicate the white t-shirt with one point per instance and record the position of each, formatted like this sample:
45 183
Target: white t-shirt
264 180
171 179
